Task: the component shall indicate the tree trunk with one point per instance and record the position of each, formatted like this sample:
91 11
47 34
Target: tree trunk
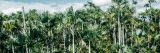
24 25
73 43
69 43
26 48
89 47
29 50
114 35
72 40
51 48
132 35
41 50
12 48
119 32
159 26
64 36
122 39
47 48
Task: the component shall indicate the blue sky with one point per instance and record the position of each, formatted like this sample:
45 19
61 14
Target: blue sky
9 6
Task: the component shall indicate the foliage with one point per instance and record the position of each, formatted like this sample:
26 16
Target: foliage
87 30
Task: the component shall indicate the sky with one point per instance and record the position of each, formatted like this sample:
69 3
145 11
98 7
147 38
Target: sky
12 6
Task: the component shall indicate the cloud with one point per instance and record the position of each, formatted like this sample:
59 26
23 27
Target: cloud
140 6
8 7
63 7
11 10
101 2
104 4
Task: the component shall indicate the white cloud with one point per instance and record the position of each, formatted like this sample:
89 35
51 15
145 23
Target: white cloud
140 6
8 7
104 4
101 2
11 10
63 7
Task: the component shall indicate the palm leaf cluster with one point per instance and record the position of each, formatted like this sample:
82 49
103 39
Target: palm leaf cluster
89 30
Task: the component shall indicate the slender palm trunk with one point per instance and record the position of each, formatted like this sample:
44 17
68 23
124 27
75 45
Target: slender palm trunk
114 36
119 32
24 27
122 38
159 26
72 40
23 20
47 49
47 44
149 23
150 20
89 48
12 48
54 49
132 34
73 44
26 48
29 50
41 50
64 36
69 47
50 49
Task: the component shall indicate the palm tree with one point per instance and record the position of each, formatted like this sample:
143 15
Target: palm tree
89 30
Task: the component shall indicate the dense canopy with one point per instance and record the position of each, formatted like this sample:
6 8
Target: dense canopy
89 30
